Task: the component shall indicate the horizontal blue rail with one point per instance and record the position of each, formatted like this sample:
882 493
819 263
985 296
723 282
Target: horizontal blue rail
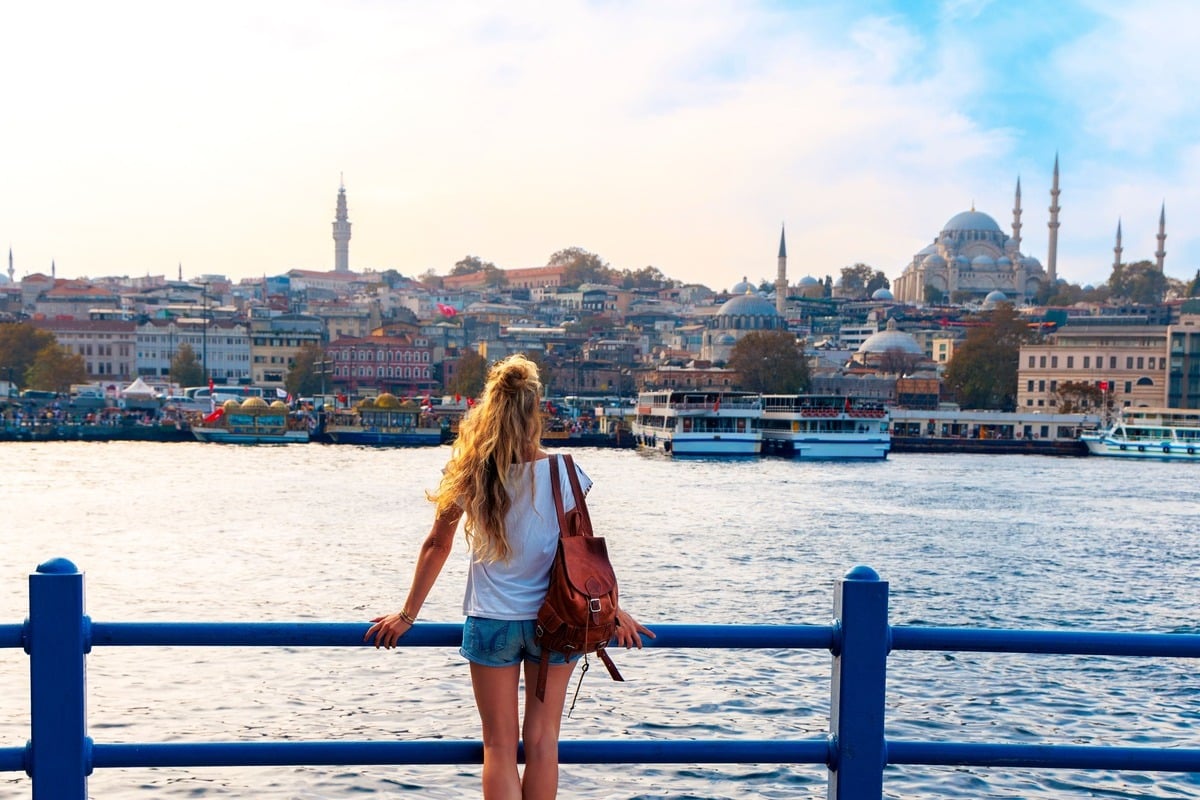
59 756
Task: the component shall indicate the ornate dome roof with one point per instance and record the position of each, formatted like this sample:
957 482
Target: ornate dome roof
1004 261
809 280
743 286
983 262
882 294
996 297
726 339
891 339
972 221
387 400
747 305
934 260
279 405
254 402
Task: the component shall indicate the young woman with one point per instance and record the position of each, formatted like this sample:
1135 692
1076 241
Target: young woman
499 479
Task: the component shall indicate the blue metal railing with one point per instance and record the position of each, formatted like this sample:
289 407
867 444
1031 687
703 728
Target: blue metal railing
60 755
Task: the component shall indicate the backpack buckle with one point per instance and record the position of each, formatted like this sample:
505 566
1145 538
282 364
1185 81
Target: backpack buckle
594 605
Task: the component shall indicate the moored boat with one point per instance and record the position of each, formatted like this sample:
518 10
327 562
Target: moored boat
1171 434
384 421
699 423
252 422
825 427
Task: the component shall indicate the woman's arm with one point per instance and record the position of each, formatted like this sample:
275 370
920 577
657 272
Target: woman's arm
434 552
630 631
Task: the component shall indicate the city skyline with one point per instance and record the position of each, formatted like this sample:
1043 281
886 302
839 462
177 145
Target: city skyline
679 135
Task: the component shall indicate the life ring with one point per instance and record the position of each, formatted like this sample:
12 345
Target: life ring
1141 448
1191 451
1167 448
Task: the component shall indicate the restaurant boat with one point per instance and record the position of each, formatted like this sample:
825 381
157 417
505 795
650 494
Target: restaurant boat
825 427
384 421
698 423
252 422
1161 433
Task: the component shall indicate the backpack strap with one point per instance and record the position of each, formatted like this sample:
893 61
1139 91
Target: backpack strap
556 489
585 517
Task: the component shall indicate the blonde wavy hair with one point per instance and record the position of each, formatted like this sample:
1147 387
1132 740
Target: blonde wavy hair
503 429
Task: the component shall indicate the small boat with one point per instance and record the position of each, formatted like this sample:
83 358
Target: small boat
384 421
699 423
825 427
1162 433
252 422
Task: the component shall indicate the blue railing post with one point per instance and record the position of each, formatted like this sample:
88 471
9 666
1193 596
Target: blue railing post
859 683
59 753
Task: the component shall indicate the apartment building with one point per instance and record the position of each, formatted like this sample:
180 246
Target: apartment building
1129 362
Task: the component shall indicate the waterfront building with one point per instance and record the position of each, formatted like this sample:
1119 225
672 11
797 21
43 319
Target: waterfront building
389 360
697 375
1129 362
1183 367
274 343
108 347
221 345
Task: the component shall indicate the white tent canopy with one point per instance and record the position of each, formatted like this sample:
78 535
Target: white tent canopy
139 388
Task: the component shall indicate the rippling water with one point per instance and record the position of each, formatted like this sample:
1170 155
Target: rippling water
207 532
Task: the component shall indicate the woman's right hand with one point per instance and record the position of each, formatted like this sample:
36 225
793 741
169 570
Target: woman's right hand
630 631
387 630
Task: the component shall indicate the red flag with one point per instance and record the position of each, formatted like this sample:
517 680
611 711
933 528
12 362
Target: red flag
717 404
470 402
210 384
1103 386
847 405
448 311
457 398
214 416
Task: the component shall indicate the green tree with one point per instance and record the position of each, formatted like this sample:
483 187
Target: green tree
469 265
1139 282
861 280
1193 288
55 369
186 369
983 372
306 378
645 278
771 362
20 343
470 375
583 267
933 295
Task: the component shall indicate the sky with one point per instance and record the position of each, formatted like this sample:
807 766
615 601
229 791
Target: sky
149 138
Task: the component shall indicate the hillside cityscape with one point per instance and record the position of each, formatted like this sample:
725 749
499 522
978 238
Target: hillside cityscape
971 320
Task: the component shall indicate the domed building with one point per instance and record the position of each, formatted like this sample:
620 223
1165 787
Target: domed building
973 256
738 316
889 341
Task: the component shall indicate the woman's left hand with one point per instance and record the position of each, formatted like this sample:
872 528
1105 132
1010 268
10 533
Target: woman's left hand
630 631
388 630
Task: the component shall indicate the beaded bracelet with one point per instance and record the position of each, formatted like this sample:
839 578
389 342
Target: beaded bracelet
409 618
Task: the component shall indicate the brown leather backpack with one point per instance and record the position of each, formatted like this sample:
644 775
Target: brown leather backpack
579 615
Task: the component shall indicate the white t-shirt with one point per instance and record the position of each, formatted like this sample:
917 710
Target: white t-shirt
515 589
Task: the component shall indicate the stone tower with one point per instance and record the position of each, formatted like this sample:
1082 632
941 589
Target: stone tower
1016 226
781 276
341 233
1052 256
1161 253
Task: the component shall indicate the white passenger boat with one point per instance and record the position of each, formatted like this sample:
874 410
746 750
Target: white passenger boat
706 424
251 422
825 427
1161 433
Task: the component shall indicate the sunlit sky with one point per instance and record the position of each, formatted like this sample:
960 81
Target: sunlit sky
140 136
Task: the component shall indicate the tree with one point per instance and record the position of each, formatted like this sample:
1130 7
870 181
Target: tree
306 377
983 372
430 279
861 280
470 375
771 362
1139 282
895 361
186 369
645 278
933 295
1193 288
468 265
583 267
20 343
1076 397
55 369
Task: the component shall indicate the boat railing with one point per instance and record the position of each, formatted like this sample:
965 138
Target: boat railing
59 754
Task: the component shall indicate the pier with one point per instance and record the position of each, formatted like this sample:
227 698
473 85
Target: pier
60 754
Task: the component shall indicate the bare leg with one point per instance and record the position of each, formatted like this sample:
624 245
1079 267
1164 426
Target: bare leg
496 699
542 723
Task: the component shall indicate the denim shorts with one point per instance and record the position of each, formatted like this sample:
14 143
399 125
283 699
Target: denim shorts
503 642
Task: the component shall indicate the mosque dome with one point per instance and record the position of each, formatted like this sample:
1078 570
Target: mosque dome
882 294
1004 262
742 287
726 340
891 339
983 262
993 298
934 260
928 249
1029 262
972 221
747 305
962 262
809 280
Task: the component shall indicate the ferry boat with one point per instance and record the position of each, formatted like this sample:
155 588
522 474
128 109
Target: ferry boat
251 422
825 427
713 424
384 421
1171 434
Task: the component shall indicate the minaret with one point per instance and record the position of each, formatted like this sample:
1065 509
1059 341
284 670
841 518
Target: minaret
1017 218
1118 249
11 272
53 269
1052 257
1161 252
781 277
341 234
180 271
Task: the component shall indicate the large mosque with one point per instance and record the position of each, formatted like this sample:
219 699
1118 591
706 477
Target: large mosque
973 257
